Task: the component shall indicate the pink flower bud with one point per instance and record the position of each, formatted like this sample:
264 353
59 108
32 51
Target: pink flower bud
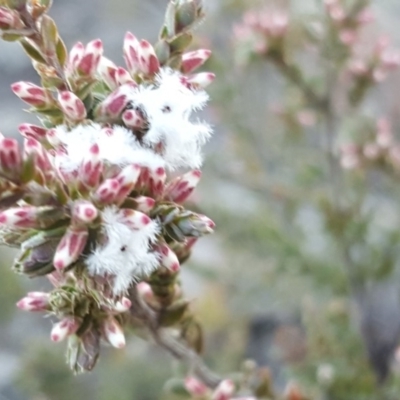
19 217
194 59
149 63
224 391
33 148
358 67
72 106
135 220
146 292
70 247
66 327
144 204
122 77
10 156
31 94
132 53
350 158
127 179
107 191
75 56
384 135
195 387
199 81
348 36
108 71
181 188
113 333
168 258
92 167
34 301
115 103
9 19
122 305
90 61
33 131
133 119
83 212
156 181
390 59
365 16
372 151
53 138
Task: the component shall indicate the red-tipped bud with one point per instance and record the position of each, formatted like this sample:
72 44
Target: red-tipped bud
127 179
53 138
168 258
115 103
10 156
70 248
33 131
134 219
157 179
83 212
149 63
113 333
200 80
20 217
146 292
90 61
108 72
66 327
144 204
34 301
107 191
9 19
75 56
133 119
92 167
33 148
131 53
195 387
181 188
72 106
31 94
123 305
224 391
194 59
122 77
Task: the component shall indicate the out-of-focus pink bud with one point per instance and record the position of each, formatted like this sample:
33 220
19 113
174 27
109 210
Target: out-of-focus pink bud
83 212
33 131
181 188
156 181
384 135
20 217
127 179
32 94
379 75
72 106
348 36
306 118
34 301
350 158
390 59
195 387
194 59
168 258
199 81
336 12
9 19
107 191
366 16
358 67
70 247
53 138
115 103
207 221
146 292
122 305
66 327
75 56
133 119
90 61
132 53
10 156
122 77
277 25
134 219
149 63
372 151
224 391
113 333
144 204
92 167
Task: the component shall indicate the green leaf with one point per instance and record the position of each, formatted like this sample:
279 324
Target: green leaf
48 29
11 37
181 42
61 51
32 51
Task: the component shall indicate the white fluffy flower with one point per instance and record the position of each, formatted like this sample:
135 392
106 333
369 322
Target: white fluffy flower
126 253
118 146
168 106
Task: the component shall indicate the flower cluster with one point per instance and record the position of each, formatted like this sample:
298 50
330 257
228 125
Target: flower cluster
381 150
89 197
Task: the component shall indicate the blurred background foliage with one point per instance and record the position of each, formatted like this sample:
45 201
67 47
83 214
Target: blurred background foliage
273 284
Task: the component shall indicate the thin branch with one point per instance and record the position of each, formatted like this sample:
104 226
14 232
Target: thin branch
142 312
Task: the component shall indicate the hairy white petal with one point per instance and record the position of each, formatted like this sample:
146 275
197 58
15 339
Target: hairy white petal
126 254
